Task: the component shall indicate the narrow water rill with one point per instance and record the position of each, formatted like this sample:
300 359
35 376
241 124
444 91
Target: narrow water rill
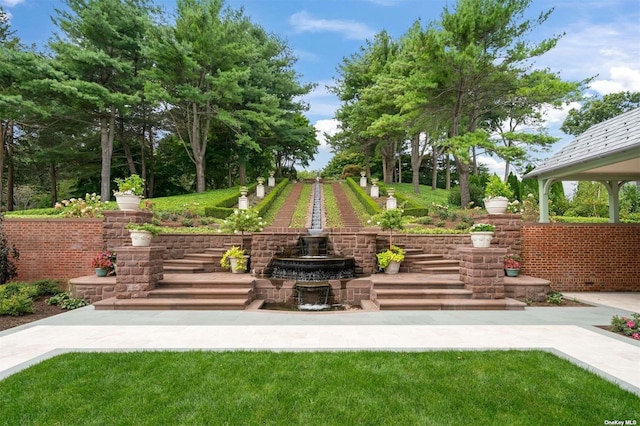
311 265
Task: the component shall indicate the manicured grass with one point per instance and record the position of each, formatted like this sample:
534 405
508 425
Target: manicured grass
426 196
332 212
299 218
311 388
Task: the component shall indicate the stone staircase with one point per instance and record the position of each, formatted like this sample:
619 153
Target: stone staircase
420 291
417 261
187 291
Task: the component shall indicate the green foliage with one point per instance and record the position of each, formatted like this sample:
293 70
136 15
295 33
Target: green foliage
8 256
370 206
337 164
476 193
555 298
482 227
392 254
350 171
629 199
270 199
151 228
66 301
132 185
299 217
47 287
589 200
596 110
496 187
332 212
16 305
234 253
629 326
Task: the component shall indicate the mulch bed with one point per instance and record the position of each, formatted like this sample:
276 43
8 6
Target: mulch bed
42 311
565 304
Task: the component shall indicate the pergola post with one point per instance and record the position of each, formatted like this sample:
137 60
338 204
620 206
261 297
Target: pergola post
613 189
544 186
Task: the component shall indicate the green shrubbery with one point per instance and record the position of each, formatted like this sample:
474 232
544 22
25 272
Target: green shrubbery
17 298
370 206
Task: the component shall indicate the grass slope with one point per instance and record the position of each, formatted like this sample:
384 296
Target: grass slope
311 388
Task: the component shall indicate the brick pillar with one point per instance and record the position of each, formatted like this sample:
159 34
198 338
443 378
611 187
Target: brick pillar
507 233
113 226
482 271
139 270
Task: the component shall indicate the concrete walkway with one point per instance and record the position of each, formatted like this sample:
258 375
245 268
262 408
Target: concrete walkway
569 332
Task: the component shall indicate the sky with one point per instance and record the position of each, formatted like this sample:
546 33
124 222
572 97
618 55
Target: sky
601 39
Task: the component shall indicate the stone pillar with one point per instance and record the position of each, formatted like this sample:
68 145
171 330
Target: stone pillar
260 191
114 229
363 180
482 271
271 182
139 270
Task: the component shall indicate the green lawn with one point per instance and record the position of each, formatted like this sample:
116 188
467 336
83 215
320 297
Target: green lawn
426 196
311 388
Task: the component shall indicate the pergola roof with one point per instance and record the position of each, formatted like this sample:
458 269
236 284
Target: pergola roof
606 151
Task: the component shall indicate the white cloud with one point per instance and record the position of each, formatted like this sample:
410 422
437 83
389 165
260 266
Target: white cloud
303 22
322 102
557 116
494 165
330 127
622 79
10 3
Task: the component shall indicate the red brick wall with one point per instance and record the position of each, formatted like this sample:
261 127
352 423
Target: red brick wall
54 248
583 257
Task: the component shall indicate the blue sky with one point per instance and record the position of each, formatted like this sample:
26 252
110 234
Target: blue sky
602 37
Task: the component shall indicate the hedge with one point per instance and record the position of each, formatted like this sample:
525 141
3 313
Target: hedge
226 207
369 205
409 207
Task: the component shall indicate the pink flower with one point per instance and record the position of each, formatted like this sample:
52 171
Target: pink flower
630 324
636 336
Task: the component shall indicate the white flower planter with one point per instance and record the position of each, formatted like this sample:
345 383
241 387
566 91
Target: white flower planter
233 262
496 205
392 268
128 202
140 238
481 239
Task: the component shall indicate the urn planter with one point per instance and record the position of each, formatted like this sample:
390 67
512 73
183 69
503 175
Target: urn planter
481 239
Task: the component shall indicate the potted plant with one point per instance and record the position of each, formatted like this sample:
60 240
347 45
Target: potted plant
512 265
390 259
241 221
142 233
129 193
481 234
390 220
497 194
104 263
234 259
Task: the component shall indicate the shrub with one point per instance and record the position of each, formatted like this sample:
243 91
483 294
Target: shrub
90 206
627 326
370 206
555 298
8 256
424 220
16 305
66 301
47 287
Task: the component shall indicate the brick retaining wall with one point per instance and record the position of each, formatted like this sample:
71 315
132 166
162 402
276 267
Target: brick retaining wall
574 257
54 248
583 257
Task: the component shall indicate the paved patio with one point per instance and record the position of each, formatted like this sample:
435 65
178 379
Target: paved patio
570 332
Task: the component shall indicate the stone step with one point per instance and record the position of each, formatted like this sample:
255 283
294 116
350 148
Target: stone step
182 269
206 280
201 293
170 304
422 293
424 282
422 256
451 304
212 257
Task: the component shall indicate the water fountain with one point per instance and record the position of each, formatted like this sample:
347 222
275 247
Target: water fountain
311 265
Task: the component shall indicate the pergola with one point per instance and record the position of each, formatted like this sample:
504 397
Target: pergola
608 152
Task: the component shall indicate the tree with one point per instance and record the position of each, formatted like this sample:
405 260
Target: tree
100 54
597 110
479 56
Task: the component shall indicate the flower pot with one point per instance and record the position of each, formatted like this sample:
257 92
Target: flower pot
140 238
128 202
496 205
234 262
392 268
512 272
101 272
481 239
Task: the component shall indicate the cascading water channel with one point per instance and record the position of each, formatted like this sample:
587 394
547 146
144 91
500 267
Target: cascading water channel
313 267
